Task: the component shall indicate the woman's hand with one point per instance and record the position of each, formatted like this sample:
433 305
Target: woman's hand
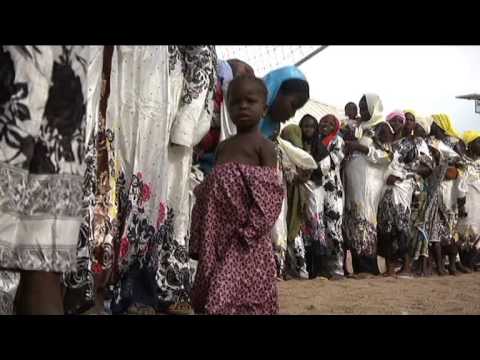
424 171
348 146
302 176
348 134
197 154
435 154
462 213
392 179
351 146
452 173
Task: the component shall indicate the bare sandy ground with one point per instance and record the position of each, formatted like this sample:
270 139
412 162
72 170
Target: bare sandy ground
448 295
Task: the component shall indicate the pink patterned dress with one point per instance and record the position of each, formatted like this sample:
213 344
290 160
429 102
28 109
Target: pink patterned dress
236 208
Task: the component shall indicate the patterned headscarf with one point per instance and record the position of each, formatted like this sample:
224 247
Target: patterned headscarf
397 113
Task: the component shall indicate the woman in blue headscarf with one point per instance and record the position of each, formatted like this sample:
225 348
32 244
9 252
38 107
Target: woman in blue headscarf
288 91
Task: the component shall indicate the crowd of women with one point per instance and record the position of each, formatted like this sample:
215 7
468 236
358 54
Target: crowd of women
402 187
157 179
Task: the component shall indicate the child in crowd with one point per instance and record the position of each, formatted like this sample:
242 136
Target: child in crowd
236 208
325 203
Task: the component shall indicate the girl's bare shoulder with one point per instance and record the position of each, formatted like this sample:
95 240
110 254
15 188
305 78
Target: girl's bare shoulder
268 152
267 144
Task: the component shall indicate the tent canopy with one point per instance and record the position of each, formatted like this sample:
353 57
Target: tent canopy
318 110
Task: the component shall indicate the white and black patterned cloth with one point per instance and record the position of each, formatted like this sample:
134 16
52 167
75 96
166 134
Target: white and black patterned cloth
394 211
43 95
80 284
42 142
323 230
160 106
364 182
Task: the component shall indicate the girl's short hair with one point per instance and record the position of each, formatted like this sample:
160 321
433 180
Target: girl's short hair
258 81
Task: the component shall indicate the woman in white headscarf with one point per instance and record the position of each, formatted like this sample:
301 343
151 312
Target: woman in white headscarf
371 113
363 181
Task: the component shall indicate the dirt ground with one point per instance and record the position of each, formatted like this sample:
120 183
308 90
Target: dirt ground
434 295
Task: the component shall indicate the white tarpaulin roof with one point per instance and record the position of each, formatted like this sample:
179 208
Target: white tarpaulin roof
317 109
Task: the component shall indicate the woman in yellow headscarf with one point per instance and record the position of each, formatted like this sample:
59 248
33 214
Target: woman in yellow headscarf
447 140
469 224
470 136
444 122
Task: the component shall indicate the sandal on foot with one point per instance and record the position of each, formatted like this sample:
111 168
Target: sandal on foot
405 276
386 274
362 276
140 309
463 269
179 309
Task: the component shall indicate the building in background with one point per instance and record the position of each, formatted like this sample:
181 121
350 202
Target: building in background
475 98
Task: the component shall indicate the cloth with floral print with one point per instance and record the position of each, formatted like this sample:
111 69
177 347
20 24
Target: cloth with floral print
160 100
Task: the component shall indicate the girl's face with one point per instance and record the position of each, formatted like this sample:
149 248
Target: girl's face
384 134
351 111
419 132
246 104
437 132
410 122
364 114
284 106
397 125
308 127
327 126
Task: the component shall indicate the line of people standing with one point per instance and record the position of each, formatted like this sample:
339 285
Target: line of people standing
97 149
395 187
96 202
